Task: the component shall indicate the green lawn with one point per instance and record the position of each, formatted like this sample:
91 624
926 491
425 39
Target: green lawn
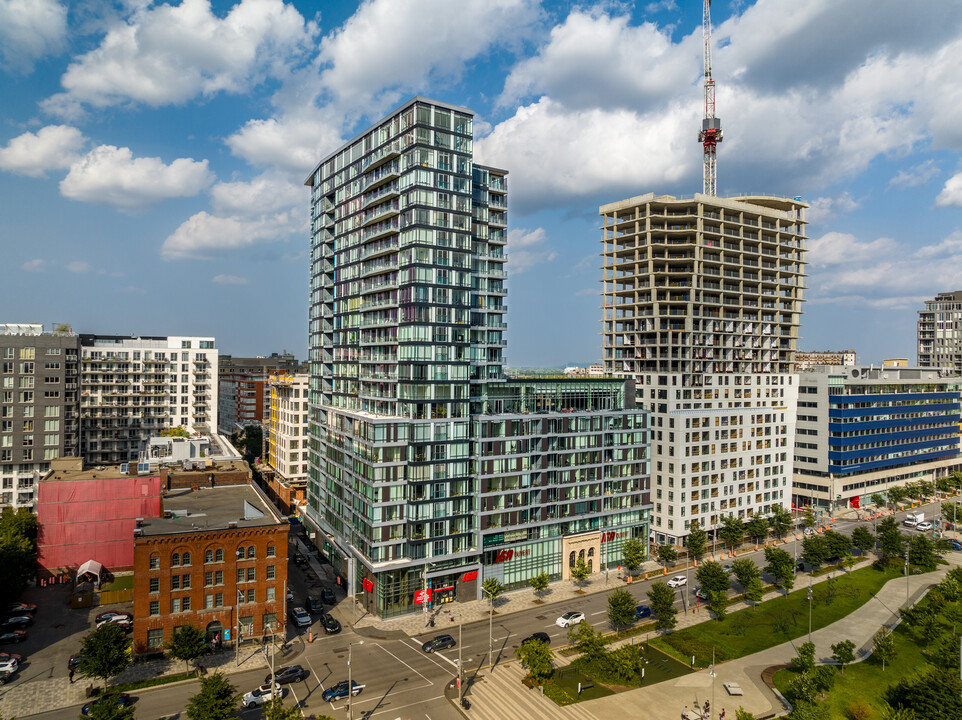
777 620
563 687
124 582
866 681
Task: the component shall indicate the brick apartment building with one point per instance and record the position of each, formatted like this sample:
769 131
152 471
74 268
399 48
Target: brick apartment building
216 559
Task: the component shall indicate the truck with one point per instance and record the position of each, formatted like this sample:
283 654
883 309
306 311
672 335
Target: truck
913 519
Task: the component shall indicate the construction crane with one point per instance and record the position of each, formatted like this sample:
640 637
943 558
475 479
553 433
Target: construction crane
711 132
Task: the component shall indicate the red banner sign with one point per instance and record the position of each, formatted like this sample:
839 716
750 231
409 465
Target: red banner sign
367 585
854 501
422 596
469 576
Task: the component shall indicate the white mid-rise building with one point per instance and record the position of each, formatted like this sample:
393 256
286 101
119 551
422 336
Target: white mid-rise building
287 433
134 387
702 306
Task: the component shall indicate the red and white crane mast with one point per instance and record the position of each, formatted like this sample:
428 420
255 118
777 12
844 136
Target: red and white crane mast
711 132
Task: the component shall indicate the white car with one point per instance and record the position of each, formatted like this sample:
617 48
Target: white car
570 618
924 526
9 665
677 581
809 531
261 695
300 616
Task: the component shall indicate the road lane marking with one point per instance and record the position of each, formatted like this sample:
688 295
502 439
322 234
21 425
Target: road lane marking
599 612
429 682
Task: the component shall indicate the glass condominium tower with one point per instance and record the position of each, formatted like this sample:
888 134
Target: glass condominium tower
407 388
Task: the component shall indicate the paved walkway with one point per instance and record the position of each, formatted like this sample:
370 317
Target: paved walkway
493 692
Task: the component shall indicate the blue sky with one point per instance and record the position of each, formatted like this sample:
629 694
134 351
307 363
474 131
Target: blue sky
152 155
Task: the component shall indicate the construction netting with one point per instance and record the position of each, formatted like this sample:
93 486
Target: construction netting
93 519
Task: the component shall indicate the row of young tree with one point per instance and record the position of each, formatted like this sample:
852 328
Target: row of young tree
18 552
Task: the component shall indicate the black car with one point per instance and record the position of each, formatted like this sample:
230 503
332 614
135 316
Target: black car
441 642
538 637
314 604
13 636
289 674
331 626
299 559
121 700
5 676
340 690
18 622
642 612
328 597
800 567
20 608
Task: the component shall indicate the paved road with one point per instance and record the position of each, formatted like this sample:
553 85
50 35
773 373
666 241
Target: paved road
399 679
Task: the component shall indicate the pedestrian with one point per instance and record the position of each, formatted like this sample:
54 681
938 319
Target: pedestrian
684 713
722 716
71 676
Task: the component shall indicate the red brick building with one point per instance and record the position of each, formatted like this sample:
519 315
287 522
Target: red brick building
217 559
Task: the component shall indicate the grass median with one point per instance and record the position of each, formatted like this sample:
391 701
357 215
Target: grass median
777 620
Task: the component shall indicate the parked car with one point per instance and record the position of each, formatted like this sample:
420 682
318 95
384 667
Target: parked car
677 581
314 604
9 665
809 531
571 617
120 700
702 594
441 642
301 617
728 568
290 595
955 544
924 526
538 637
288 674
642 612
5 677
340 690
13 636
330 625
11 656
262 695
299 559
112 616
328 597
800 567
21 608
17 622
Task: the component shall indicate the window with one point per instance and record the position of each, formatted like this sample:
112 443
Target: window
219 556
175 560
250 575
246 626
219 577
250 552
270 551
175 582
51 411
208 601
155 607
185 581
209 556
186 559
155 638
270 572
219 600
268 621
270 594
241 575
52 380
155 562
28 425
154 585
51 439
208 579
51 425
250 595
185 603
175 605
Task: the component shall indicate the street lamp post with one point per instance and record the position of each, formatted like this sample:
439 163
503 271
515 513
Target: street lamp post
460 664
269 627
490 628
350 680
810 610
906 577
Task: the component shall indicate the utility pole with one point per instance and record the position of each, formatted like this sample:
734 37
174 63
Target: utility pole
350 680
810 610
490 628
906 577
460 664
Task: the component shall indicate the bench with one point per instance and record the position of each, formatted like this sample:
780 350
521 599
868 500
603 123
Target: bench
733 688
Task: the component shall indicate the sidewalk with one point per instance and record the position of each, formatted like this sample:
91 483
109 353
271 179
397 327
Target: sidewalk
492 693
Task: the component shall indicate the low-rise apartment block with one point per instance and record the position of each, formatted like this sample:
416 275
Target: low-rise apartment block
287 442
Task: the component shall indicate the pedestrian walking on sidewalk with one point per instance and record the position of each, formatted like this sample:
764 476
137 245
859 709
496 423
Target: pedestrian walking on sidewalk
71 676
684 713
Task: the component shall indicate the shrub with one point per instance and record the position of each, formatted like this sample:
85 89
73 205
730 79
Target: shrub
859 710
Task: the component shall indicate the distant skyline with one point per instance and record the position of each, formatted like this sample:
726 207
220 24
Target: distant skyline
152 155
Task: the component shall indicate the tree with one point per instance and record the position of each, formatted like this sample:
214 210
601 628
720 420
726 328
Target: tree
186 643
891 540
732 531
275 710
18 552
863 539
589 643
104 652
712 577
878 500
535 657
492 589
662 601
922 552
883 646
696 541
814 550
843 652
539 583
580 571
178 431
621 608
718 603
781 567
743 714
755 591
757 529
936 694
108 709
632 554
809 519
805 658
780 521
745 569
217 699
667 554
837 544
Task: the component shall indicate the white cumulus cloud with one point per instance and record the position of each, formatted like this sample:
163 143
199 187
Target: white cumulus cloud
294 141
527 248
268 192
951 195
35 265
51 148
172 53
29 30
915 176
203 233
113 176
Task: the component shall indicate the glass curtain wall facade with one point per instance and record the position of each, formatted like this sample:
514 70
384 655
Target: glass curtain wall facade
407 322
